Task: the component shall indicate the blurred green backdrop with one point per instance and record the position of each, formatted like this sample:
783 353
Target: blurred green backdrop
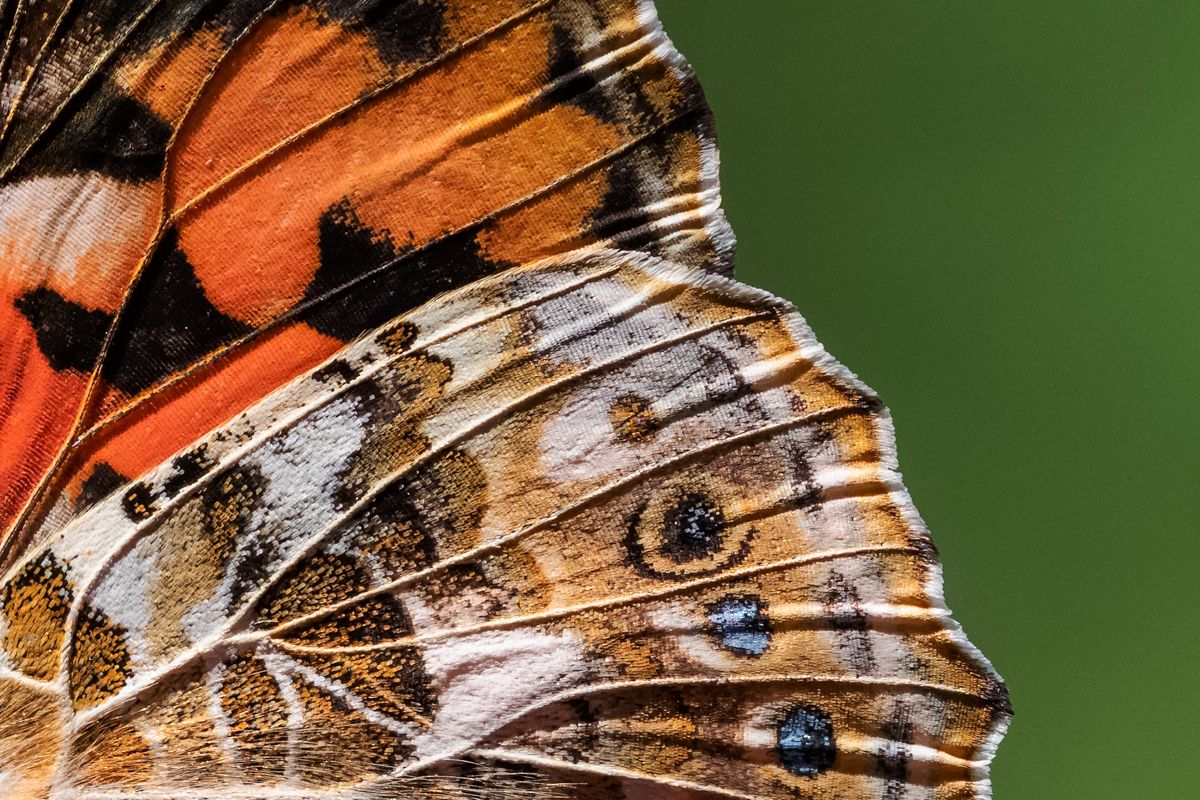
991 212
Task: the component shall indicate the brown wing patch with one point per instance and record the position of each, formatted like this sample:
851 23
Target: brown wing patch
392 682
100 662
203 536
257 714
633 418
31 729
112 754
338 745
180 723
36 602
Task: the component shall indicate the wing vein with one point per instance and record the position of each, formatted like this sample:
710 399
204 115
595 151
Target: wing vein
293 313
31 71
546 762
224 639
18 14
151 523
612 602
17 538
720 682
357 103
566 512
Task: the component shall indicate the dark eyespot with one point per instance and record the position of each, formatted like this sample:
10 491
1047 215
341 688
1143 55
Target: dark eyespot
682 532
692 529
741 625
806 741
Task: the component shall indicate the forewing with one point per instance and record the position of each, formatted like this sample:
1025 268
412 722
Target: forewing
201 200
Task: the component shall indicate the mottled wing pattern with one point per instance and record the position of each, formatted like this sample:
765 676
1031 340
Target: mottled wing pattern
378 422
604 522
200 200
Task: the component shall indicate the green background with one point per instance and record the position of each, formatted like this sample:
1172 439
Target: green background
991 212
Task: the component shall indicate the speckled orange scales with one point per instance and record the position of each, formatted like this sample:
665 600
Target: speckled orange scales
378 419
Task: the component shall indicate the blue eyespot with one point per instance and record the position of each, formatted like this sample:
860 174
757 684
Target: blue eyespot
806 742
741 625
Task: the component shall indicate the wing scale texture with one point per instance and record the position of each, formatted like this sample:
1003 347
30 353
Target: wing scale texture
380 421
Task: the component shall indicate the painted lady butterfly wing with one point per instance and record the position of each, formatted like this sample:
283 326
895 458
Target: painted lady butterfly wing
379 420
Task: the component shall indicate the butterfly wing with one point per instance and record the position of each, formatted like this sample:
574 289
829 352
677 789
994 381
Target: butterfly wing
211 198
604 521
456 466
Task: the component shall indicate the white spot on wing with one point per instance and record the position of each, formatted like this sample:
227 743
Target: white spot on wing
600 320
695 644
54 226
302 469
124 598
485 679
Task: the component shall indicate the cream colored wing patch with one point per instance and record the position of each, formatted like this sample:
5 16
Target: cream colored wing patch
600 527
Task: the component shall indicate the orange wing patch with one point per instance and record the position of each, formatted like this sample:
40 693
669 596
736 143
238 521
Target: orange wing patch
326 177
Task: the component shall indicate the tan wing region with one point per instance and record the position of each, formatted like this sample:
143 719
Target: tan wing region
201 200
600 527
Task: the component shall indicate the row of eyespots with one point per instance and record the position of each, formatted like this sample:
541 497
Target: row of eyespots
684 533
692 530
806 743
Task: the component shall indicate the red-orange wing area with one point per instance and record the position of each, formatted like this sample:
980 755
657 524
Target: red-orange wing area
201 200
